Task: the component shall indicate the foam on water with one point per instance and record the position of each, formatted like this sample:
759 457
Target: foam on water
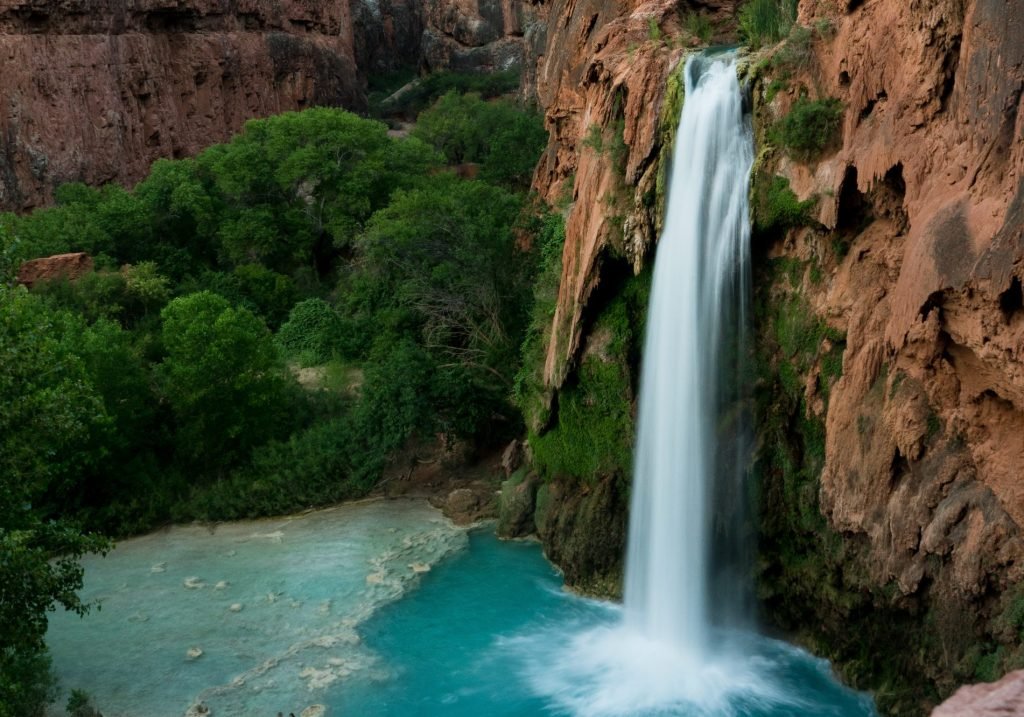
260 612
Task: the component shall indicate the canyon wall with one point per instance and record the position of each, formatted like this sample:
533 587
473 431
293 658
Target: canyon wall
890 314
94 91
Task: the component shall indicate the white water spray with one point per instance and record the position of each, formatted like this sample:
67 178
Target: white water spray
702 264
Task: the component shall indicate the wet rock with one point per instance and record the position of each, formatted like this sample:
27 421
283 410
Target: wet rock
512 458
516 505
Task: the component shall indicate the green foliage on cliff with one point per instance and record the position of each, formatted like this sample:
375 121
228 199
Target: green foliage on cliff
776 208
528 391
591 435
810 127
763 22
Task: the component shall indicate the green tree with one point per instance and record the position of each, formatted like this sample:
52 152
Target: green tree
223 378
298 185
504 138
447 252
48 415
312 330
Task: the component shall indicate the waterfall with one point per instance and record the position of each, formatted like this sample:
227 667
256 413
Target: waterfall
683 644
691 361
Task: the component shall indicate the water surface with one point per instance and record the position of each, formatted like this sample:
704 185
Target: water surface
337 609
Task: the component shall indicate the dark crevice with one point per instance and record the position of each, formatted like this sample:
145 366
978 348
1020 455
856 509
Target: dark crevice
894 180
870 106
898 468
949 67
589 28
934 301
170 21
852 207
853 5
1011 301
844 78
887 198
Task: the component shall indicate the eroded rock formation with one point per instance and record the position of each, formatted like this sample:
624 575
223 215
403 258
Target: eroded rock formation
998 699
916 257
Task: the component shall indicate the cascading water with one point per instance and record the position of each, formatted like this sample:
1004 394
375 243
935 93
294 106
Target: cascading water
695 330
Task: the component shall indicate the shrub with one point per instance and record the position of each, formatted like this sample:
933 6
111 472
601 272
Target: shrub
312 328
777 208
766 21
699 26
810 127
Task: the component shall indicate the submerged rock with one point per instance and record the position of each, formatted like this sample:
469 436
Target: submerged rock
235 607
194 653
193 583
314 711
199 709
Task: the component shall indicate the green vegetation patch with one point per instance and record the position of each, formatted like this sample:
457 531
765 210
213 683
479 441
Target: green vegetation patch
592 436
776 207
810 127
763 22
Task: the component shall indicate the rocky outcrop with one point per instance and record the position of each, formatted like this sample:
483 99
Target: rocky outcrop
95 91
476 35
602 76
583 529
59 266
999 699
915 259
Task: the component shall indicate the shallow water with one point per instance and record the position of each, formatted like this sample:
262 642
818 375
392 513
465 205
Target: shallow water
487 631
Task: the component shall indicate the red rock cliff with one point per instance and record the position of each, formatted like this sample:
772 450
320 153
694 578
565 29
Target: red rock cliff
95 91
915 256
924 430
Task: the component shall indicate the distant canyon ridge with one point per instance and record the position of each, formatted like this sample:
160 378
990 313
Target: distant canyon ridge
96 90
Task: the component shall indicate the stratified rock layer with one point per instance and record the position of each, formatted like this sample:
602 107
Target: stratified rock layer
95 91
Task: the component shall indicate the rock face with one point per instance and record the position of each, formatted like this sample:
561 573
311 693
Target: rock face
95 91
908 420
916 259
999 699
59 266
